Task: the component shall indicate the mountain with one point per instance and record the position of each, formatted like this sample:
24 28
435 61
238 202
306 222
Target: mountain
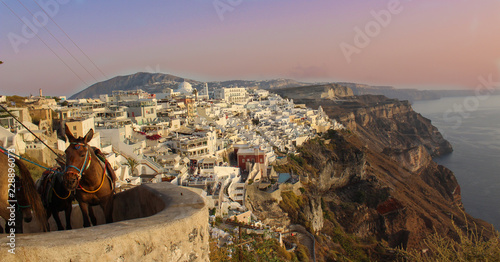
263 84
157 82
150 82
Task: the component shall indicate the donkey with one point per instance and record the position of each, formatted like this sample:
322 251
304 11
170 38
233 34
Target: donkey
23 197
86 175
55 196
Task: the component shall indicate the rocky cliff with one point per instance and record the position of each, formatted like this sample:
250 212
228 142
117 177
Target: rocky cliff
359 203
385 124
374 186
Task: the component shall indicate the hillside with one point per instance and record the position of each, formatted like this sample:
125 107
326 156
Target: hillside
328 91
157 82
385 124
151 82
375 186
263 84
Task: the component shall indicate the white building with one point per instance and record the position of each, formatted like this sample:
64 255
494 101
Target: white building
185 89
232 95
203 94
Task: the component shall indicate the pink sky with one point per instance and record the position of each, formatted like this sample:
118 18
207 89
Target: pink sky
428 44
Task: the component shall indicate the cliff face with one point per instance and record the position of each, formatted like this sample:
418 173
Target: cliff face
385 124
352 189
376 181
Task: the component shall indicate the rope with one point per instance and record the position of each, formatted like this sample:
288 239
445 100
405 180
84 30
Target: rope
80 171
102 183
4 150
15 118
63 198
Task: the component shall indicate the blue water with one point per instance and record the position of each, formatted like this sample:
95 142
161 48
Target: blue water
473 128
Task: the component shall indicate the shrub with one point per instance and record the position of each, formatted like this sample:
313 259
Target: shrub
470 247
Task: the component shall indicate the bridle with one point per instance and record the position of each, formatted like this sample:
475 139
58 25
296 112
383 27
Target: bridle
18 191
85 165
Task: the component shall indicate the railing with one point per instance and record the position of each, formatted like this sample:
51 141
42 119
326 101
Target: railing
158 168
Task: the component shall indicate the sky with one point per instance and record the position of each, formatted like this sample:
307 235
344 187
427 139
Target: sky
423 44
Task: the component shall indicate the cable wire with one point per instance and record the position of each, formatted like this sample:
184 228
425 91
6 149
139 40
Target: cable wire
19 121
48 31
12 11
71 40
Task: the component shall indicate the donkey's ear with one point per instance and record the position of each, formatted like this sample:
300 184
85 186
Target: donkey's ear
70 136
89 136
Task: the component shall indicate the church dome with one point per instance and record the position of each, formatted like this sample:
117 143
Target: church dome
185 88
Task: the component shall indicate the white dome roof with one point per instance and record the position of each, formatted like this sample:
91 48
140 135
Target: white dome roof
185 88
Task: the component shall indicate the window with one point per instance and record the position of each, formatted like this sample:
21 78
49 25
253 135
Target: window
74 127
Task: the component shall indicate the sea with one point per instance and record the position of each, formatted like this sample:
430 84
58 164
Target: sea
472 126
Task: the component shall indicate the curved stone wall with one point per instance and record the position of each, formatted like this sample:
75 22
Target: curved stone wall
159 222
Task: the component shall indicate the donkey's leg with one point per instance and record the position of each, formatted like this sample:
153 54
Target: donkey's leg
55 215
92 216
49 213
67 213
19 222
107 207
84 207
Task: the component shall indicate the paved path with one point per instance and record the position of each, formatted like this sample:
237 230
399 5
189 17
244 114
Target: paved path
306 239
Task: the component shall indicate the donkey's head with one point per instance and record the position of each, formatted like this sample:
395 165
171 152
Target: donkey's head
78 158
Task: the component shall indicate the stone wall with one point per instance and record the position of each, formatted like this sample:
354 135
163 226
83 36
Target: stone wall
164 223
254 191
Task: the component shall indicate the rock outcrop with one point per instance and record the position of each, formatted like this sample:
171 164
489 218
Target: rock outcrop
370 195
375 182
385 123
